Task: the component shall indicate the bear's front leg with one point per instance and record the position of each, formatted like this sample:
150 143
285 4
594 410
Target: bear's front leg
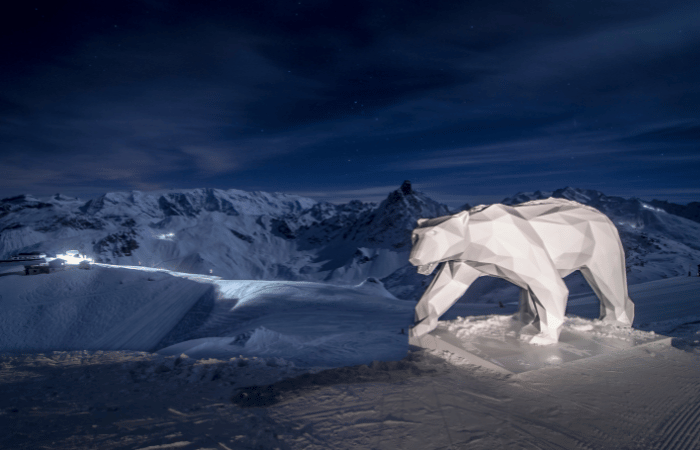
424 326
549 298
451 282
544 339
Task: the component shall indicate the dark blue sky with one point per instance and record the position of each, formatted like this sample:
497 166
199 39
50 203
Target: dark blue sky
470 100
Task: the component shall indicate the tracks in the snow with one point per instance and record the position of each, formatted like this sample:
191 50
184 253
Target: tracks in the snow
682 430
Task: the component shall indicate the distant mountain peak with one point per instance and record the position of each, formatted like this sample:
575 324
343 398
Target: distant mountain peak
391 222
407 197
586 196
404 191
406 188
23 198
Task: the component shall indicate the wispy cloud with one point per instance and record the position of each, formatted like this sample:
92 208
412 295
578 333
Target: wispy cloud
365 194
557 142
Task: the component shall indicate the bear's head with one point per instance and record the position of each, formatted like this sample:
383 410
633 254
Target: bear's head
438 240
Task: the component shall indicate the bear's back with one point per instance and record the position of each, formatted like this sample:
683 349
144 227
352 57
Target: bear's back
553 220
537 208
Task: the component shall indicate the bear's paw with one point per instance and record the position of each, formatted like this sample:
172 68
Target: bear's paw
543 339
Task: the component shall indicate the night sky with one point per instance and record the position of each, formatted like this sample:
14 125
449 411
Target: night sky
336 100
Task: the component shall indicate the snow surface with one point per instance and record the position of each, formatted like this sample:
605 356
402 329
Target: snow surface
292 365
146 309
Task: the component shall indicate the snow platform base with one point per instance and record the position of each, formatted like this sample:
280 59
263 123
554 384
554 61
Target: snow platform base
500 343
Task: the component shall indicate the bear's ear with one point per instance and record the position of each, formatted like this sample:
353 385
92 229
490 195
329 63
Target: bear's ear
463 216
421 222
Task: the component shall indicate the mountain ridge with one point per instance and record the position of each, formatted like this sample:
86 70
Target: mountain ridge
274 236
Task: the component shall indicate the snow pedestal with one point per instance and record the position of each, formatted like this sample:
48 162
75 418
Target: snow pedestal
500 343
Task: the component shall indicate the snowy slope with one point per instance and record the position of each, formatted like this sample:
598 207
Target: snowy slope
307 323
116 308
690 211
98 309
250 395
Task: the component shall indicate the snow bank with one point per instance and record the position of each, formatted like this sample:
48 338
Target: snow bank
500 326
311 324
139 308
332 350
98 309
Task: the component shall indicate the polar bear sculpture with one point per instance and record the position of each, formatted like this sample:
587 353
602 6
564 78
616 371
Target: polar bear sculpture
532 245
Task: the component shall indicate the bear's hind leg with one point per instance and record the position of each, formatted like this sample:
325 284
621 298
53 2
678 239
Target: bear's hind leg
611 288
527 312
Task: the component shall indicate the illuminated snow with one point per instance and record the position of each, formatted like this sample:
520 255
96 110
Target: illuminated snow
645 206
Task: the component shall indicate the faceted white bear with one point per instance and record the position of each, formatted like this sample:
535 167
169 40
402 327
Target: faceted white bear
532 245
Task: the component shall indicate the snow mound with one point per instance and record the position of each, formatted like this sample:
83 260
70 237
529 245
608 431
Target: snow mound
304 351
599 328
500 326
98 309
238 370
415 365
374 286
144 309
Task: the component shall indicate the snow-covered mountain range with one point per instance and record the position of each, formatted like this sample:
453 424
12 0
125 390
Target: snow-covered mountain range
242 235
